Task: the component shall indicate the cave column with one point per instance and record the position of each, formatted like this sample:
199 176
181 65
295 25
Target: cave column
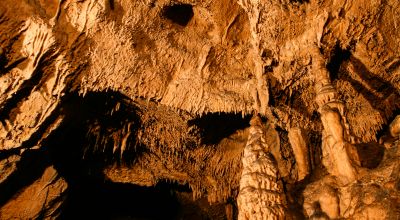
260 95
331 109
261 194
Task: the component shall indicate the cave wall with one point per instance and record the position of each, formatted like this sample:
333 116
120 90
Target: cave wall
153 91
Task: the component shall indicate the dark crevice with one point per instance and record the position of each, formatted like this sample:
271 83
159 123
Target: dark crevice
392 68
370 154
315 150
383 134
179 13
29 169
383 87
106 200
9 152
11 66
213 127
3 60
385 129
339 56
286 152
41 130
270 68
111 3
98 109
21 94
299 1
92 196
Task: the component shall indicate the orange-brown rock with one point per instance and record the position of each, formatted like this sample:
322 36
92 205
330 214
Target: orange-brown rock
40 200
120 95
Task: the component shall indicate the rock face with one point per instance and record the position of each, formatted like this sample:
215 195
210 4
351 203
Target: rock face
40 200
159 94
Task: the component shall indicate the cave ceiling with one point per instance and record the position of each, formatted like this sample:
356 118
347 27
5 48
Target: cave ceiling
195 95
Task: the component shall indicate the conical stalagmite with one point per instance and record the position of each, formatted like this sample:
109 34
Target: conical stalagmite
143 107
261 194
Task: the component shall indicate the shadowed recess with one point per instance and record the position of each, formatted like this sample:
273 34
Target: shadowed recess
179 13
107 200
299 1
28 170
370 154
91 195
214 127
98 125
111 2
339 56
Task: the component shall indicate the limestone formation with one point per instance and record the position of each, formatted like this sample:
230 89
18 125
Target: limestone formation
395 127
40 200
332 112
261 194
301 153
142 109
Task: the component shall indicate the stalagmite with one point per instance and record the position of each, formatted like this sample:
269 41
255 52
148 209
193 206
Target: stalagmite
261 194
335 157
394 127
120 99
300 150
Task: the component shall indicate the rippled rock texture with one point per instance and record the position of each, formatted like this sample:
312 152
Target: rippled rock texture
143 109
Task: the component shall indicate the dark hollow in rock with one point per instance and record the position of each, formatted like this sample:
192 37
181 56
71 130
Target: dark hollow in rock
370 154
120 201
91 195
112 5
299 1
339 56
179 13
108 200
214 127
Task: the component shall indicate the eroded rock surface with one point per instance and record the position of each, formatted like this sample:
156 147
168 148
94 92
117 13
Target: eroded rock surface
40 200
153 92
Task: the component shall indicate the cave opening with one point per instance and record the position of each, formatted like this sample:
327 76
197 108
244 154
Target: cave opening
90 193
179 13
109 200
214 127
